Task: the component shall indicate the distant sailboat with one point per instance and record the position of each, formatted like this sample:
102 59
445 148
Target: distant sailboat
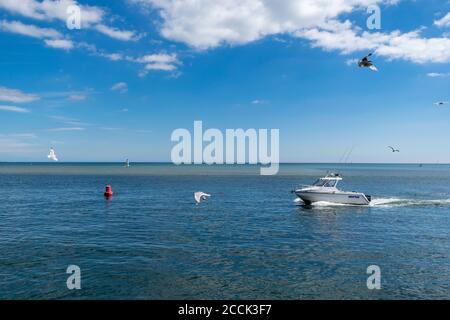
127 163
52 155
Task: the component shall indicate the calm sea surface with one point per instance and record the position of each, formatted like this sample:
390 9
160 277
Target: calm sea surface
249 240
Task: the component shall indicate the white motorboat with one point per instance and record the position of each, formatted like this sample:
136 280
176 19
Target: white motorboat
325 189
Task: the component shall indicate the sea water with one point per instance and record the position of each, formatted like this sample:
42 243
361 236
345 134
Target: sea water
250 240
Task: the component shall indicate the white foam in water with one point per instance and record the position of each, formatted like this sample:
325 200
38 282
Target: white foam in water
388 202
394 202
384 203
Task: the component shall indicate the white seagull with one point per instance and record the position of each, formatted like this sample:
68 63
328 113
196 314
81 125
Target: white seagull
366 63
200 196
52 155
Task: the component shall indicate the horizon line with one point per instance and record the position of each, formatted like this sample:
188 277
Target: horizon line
224 164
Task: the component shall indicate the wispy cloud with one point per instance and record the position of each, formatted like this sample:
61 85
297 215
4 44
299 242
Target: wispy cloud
12 143
59 44
157 62
94 51
161 61
123 35
443 22
110 128
70 121
19 135
77 97
351 62
52 38
29 30
16 96
92 16
152 62
66 129
51 10
14 109
259 102
438 75
121 87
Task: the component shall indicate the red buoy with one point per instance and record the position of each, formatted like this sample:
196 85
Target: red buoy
108 191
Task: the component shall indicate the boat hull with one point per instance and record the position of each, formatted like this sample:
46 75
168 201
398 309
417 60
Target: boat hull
349 198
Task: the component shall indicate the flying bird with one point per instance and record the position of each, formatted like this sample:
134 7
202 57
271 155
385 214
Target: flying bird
393 149
200 196
366 63
441 103
52 155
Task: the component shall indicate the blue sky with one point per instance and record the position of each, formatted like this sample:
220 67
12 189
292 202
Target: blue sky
138 69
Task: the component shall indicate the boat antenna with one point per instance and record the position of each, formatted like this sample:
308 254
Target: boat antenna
349 154
343 156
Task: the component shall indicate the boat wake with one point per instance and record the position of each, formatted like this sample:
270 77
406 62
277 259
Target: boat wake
395 202
383 203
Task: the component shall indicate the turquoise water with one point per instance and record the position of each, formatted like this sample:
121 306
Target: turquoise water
249 240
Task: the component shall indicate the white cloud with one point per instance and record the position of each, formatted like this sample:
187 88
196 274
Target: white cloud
92 49
157 58
121 87
161 62
110 128
59 44
49 10
52 38
438 75
112 56
205 24
77 97
52 10
409 46
16 96
258 101
160 66
14 109
66 129
70 122
444 22
351 62
28 30
16 143
19 135
123 35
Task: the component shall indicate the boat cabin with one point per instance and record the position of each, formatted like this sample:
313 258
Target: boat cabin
330 181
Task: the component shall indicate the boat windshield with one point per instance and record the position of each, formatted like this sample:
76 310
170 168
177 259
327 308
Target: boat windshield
325 183
330 184
319 183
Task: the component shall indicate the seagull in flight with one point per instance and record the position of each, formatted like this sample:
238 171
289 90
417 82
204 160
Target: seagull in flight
441 103
52 155
393 149
200 196
366 63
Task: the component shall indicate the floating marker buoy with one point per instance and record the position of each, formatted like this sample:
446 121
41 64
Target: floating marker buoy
108 191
